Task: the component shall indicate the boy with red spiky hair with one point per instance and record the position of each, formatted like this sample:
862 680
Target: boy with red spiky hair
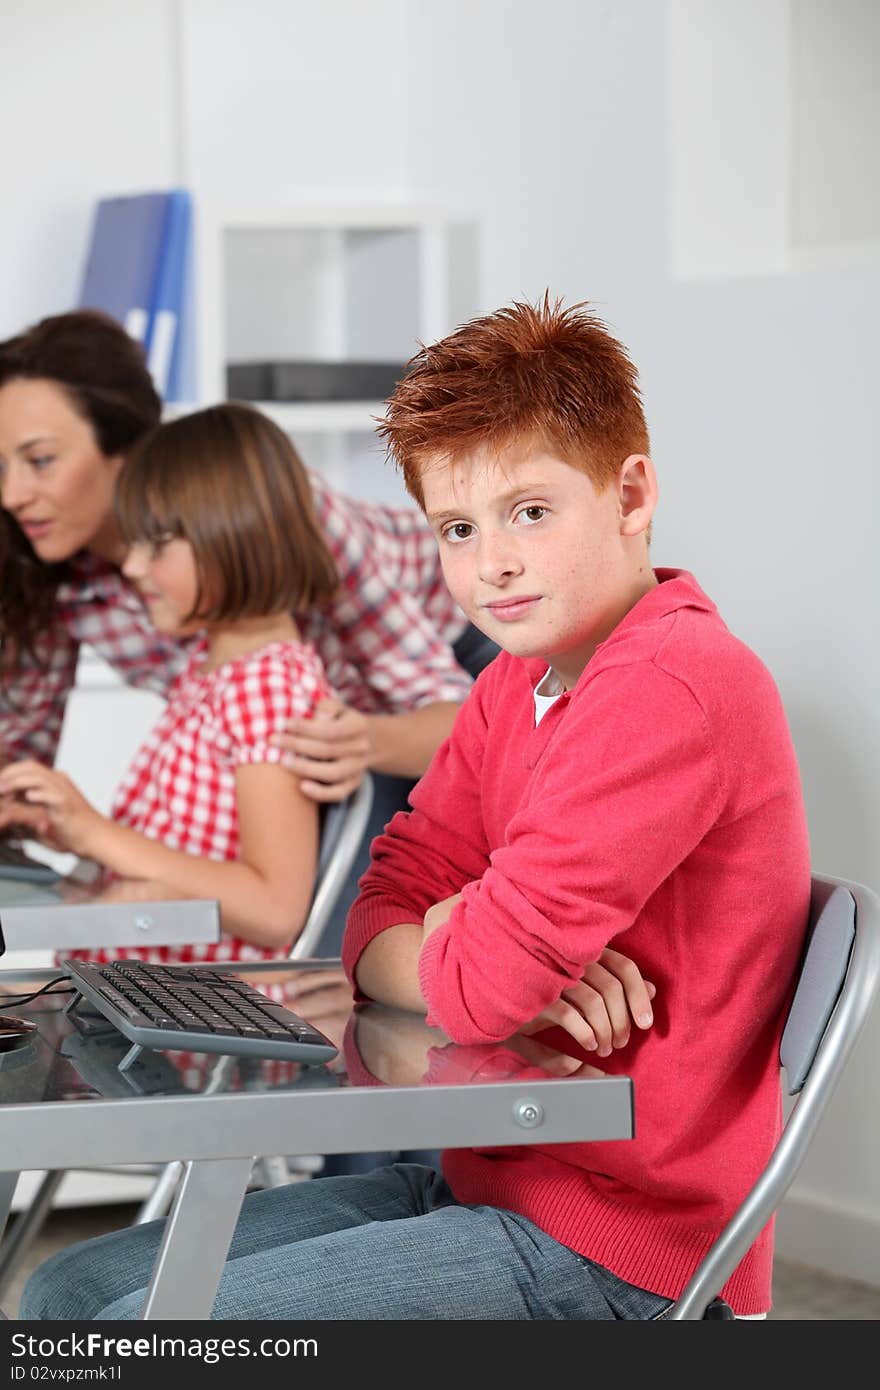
621 774
621 778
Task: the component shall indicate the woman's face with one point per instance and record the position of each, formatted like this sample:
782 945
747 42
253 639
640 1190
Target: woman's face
54 480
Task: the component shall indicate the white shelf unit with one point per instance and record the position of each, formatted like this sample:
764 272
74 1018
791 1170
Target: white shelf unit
328 281
325 282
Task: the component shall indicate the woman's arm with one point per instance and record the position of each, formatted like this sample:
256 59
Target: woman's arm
33 698
264 895
332 749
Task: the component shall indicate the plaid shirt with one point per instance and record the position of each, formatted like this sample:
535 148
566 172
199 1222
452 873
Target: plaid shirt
180 788
385 639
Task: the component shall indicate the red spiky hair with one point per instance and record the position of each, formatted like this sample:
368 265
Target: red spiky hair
528 374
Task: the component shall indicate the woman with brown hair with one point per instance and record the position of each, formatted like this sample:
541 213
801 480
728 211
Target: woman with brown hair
224 547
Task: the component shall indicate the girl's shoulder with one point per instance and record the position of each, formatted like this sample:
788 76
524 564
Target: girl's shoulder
256 696
282 676
286 660
193 671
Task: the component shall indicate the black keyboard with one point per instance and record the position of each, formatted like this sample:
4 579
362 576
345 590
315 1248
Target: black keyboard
195 1008
14 863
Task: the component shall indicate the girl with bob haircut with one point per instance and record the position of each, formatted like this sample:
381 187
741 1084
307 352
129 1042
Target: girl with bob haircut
223 541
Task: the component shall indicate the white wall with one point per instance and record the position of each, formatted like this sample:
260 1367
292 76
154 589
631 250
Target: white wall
88 109
729 82
835 51
285 97
586 137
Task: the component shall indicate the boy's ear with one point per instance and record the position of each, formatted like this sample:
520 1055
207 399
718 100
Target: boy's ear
637 494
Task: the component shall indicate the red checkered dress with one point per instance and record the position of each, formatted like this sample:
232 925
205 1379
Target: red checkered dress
385 641
180 788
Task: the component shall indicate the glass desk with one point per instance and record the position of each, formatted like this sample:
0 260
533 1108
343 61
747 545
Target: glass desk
396 1084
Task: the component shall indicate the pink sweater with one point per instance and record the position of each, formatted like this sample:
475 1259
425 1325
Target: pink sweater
657 807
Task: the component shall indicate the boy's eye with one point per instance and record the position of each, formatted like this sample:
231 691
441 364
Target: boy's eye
529 515
458 531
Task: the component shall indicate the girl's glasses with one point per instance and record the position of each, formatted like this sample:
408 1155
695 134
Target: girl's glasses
158 543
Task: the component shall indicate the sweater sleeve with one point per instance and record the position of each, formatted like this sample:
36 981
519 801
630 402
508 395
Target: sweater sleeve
627 789
34 699
432 851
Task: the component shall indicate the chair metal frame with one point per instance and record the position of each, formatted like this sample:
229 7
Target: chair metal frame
838 982
343 825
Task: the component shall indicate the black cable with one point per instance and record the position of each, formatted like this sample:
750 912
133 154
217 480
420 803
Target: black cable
16 1000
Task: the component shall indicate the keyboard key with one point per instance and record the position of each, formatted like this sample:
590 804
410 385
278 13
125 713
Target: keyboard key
121 1003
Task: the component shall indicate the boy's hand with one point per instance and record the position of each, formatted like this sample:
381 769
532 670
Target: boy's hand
49 804
438 915
600 1010
329 752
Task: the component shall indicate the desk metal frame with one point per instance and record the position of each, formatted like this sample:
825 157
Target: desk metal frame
59 926
218 1137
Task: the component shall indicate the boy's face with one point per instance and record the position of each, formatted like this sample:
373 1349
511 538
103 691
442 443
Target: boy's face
537 558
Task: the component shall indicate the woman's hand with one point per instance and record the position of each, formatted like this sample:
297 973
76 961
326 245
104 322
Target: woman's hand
599 1011
49 804
328 752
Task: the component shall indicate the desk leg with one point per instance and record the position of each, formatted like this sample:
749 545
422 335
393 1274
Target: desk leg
7 1189
196 1242
27 1225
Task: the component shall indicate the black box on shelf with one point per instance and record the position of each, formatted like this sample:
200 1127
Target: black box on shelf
312 381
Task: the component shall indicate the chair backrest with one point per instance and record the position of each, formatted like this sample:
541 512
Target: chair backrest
837 983
343 824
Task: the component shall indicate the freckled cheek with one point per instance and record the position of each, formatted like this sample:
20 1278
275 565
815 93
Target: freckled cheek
459 580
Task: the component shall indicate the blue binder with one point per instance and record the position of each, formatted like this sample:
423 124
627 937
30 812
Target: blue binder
167 337
139 269
123 259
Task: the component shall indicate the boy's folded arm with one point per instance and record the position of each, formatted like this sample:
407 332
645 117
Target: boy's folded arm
387 968
580 859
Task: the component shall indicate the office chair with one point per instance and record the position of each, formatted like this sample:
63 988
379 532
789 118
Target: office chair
837 983
342 828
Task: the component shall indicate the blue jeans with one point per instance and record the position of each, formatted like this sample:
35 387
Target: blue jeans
393 1244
